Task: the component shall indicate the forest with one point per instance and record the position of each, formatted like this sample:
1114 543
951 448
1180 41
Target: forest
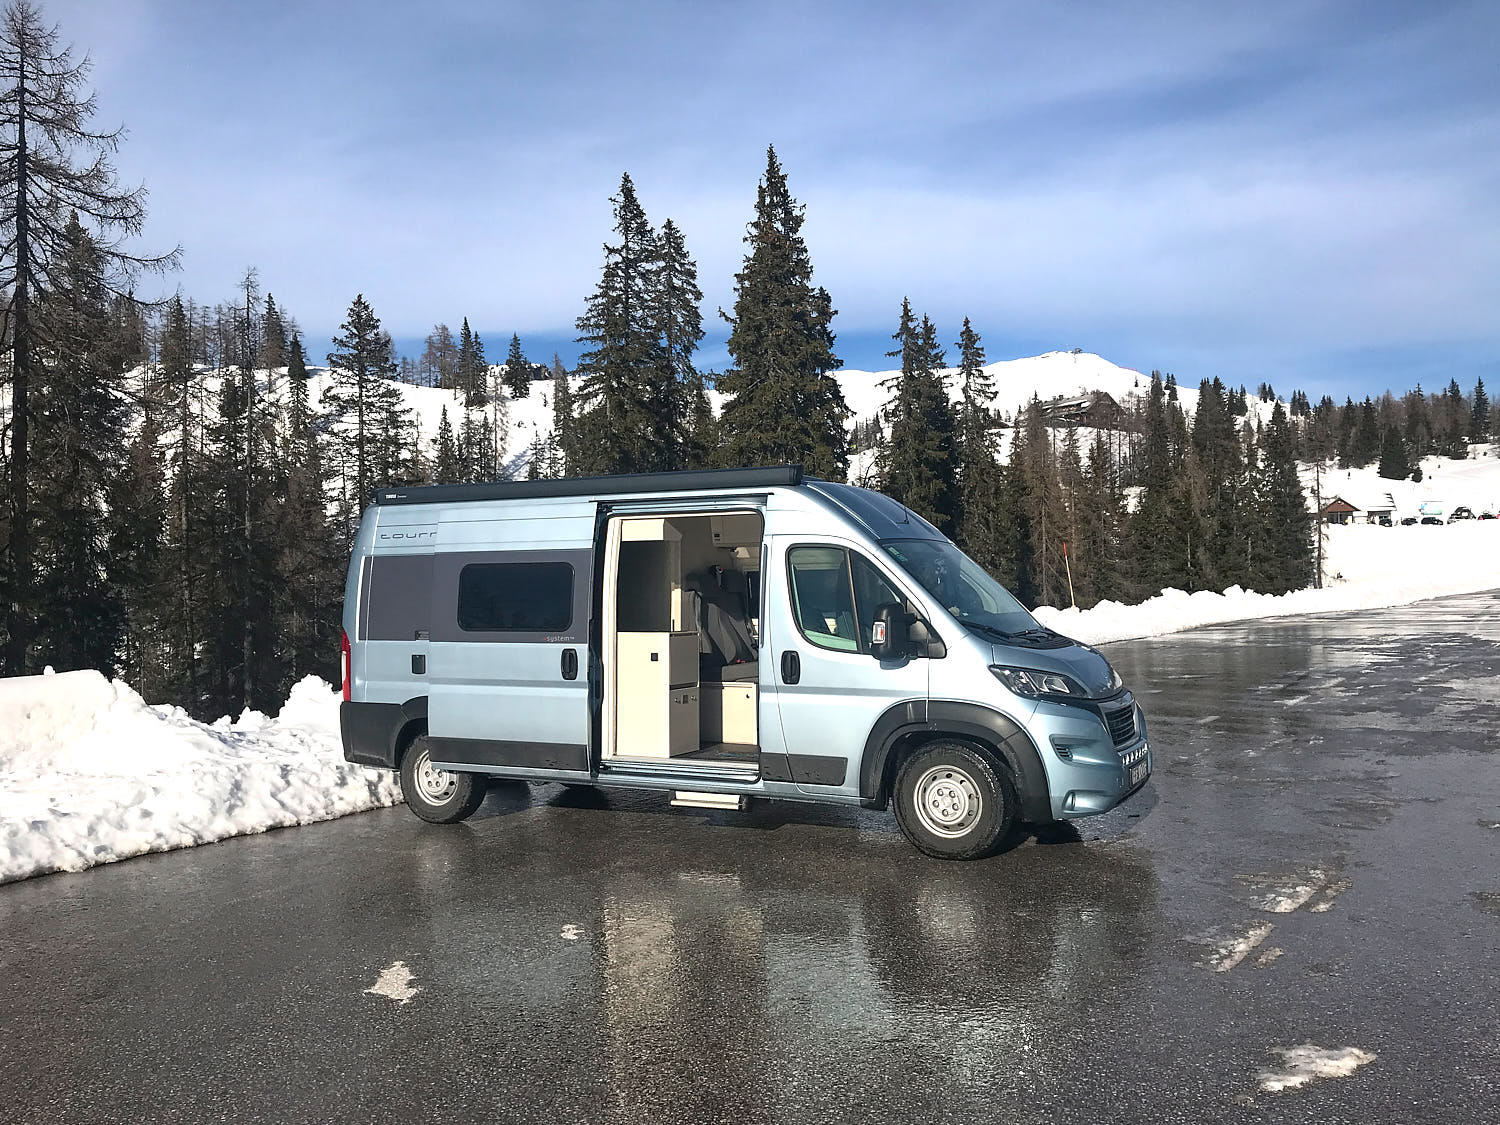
179 503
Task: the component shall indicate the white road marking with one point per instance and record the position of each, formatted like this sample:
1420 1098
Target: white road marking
394 983
1268 956
1334 889
1203 722
570 932
1301 1065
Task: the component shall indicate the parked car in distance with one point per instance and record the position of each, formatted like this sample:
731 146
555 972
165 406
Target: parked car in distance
1486 515
1408 521
1384 519
1461 513
1436 520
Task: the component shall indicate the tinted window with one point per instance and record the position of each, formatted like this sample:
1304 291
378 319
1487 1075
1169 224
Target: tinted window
833 605
515 597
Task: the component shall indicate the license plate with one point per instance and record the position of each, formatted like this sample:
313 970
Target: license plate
1138 774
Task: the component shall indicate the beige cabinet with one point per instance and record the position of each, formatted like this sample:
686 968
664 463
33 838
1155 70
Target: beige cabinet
657 700
728 713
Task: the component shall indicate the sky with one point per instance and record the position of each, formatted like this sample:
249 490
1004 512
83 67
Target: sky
1306 193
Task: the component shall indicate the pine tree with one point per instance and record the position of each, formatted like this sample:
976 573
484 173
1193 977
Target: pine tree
1394 462
517 369
782 403
919 465
56 174
620 424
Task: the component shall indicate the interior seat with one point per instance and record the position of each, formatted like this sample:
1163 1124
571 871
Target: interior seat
726 649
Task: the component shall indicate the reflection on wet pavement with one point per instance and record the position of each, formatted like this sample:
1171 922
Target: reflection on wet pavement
1319 836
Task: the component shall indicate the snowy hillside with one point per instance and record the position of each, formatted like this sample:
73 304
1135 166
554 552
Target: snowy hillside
1016 382
1445 485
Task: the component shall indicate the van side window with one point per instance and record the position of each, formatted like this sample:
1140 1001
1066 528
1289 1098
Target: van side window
834 595
515 597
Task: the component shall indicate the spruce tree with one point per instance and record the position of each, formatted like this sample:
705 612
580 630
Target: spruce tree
679 319
273 351
979 469
1285 559
782 403
919 465
563 421
1364 446
360 402
517 369
56 174
447 464
296 361
78 413
181 552
1394 462
619 423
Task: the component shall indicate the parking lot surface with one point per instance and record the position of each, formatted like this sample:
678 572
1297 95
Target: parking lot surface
1309 888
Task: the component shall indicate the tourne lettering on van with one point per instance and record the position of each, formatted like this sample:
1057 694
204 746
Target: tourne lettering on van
408 535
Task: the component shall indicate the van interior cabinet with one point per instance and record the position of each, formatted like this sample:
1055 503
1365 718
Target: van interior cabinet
729 713
658 694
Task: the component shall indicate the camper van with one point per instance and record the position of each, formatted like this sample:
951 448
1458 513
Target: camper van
720 635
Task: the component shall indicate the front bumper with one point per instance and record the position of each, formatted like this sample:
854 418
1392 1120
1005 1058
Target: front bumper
1087 771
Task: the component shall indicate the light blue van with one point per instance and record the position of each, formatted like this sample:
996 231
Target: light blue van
720 635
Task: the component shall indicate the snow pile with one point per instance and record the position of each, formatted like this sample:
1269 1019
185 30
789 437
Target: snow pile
1366 567
90 774
1300 1065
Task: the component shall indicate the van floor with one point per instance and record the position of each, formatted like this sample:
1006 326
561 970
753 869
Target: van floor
736 752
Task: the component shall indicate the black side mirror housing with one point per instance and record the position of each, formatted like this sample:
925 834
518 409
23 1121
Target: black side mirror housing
888 632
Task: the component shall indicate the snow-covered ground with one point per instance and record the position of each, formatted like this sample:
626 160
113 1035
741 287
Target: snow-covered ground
1366 567
90 774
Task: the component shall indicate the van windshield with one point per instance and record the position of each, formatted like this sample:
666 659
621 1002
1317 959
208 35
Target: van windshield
962 586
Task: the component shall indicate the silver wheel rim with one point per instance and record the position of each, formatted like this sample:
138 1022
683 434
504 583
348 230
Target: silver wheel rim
435 785
948 801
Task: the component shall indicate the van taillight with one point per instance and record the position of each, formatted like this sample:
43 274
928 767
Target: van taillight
344 662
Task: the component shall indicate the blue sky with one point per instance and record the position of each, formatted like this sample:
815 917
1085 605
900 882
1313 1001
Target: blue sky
1302 192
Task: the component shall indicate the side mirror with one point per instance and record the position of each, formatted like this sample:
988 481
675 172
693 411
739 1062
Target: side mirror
888 640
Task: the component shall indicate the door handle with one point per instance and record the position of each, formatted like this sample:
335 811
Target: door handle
570 663
791 667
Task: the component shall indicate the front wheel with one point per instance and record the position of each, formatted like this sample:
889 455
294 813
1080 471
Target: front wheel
953 801
438 796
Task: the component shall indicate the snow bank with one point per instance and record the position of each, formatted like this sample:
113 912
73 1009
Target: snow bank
1366 567
90 774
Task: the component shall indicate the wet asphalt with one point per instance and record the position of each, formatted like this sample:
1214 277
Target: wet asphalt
618 960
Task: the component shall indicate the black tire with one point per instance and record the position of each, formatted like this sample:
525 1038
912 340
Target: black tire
970 803
438 796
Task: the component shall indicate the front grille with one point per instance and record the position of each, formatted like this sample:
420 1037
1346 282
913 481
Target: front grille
1121 725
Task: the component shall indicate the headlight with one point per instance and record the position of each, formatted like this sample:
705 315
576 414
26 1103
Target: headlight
1031 684
1115 683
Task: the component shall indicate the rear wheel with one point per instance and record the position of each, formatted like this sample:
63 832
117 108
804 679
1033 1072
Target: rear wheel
954 801
438 796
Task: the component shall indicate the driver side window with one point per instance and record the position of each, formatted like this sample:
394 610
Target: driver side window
834 595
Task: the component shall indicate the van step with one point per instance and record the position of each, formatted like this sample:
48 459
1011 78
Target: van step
689 799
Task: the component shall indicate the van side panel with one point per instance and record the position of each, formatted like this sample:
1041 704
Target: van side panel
509 668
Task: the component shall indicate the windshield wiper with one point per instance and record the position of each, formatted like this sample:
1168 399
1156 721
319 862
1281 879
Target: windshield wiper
991 630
